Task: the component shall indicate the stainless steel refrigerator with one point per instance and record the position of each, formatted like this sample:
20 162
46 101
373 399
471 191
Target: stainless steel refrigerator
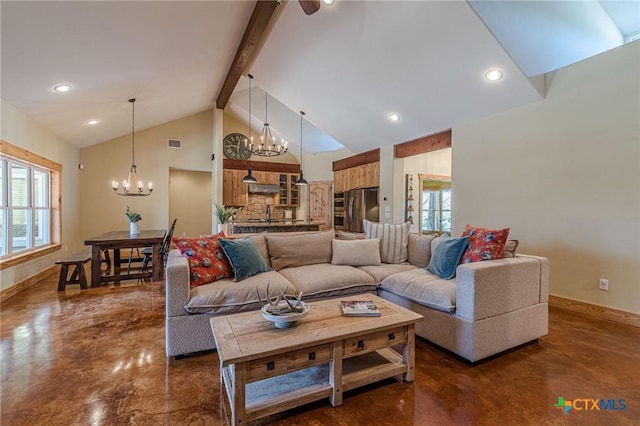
360 204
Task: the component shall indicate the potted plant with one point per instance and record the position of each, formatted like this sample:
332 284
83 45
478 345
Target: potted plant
134 217
224 214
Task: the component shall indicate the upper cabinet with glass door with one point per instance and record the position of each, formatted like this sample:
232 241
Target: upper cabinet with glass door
287 190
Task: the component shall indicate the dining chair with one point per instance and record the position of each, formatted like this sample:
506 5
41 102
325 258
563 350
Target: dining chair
147 252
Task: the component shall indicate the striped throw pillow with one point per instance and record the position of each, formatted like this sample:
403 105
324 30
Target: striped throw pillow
394 240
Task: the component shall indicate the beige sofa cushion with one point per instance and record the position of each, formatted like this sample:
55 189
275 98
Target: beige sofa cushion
327 280
424 288
288 251
381 272
228 296
356 252
420 249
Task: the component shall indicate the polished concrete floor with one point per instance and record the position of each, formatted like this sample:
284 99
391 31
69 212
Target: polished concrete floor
96 357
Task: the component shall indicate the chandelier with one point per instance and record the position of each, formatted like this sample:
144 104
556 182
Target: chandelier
132 186
268 147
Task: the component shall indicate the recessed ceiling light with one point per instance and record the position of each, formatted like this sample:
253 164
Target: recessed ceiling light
394 116
93 122
493 75
328 2
61 88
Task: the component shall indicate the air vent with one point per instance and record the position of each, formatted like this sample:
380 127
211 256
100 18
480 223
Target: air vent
174 143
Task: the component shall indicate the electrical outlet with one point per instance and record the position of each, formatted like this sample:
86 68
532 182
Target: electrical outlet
604 284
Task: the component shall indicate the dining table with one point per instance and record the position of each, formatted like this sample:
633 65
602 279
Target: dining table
118 240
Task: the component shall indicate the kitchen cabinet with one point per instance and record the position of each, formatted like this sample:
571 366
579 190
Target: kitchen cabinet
340 179
234 191
271 178
363 176
373 176
287 191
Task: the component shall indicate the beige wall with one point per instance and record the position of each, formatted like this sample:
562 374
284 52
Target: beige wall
102 210
20 130
564 175
193 213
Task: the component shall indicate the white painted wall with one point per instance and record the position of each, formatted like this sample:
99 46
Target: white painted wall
20 130
564 175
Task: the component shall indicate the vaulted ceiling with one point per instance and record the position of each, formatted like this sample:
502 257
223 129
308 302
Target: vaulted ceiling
347 66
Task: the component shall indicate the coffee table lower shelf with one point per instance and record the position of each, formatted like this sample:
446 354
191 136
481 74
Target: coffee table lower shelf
293 389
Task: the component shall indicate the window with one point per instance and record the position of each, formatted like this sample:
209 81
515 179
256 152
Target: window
25 210
29 204
436 206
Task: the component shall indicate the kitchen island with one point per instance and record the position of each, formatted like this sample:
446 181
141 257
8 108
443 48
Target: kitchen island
279 225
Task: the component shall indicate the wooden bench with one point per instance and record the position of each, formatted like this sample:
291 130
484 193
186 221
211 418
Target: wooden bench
78 276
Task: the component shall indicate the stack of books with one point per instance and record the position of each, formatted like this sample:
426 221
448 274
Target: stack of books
359 308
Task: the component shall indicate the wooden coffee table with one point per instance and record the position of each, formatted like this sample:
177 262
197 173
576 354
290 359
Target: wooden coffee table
266 370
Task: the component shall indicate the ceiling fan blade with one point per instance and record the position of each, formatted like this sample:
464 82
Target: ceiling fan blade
310 6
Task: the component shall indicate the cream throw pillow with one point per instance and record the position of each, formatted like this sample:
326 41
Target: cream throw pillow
356 252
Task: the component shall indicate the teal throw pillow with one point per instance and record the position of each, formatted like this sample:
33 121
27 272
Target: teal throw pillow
446 256
244 257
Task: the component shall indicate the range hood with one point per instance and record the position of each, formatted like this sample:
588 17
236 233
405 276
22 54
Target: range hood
263 188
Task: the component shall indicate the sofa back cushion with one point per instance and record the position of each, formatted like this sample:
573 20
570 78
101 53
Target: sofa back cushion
420 249
260 241
345 235
394 240
288 251
510 249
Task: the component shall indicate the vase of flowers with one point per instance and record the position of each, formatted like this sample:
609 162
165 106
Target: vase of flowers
224 214
134 217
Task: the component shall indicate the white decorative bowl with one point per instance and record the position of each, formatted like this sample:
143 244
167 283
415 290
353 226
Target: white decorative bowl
286 320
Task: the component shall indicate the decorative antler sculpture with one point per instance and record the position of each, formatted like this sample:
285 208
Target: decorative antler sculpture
292 303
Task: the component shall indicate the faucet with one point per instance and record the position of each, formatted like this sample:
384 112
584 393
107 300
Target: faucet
268 213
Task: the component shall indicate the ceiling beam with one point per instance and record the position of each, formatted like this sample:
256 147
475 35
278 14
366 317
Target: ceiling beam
424 144
248 49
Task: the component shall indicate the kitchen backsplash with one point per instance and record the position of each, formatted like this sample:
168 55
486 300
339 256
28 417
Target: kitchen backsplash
256 208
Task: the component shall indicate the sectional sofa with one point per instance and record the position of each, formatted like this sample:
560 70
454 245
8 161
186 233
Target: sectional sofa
487 308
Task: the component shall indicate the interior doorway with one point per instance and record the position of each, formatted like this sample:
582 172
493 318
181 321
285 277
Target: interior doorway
190 201
319 202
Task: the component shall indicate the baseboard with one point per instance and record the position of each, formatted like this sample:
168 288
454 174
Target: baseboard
598 311
22 285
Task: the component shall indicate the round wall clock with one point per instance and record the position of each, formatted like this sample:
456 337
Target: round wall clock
234 147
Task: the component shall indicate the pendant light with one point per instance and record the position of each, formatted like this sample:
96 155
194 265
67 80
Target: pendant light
301 181
132 186
249 177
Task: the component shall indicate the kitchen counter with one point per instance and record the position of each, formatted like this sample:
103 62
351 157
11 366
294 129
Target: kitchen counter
279 225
